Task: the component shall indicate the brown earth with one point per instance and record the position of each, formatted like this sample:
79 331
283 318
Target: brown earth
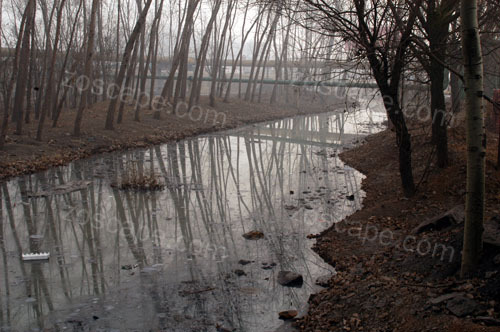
386 287
24 154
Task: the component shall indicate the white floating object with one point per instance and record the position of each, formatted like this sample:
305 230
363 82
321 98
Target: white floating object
36 257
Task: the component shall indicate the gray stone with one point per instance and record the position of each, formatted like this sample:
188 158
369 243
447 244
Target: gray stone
444 298
324 281
461 306
453 216
290 279
491 233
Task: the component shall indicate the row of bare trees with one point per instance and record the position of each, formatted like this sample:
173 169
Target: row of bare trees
421 39
59 45
65 56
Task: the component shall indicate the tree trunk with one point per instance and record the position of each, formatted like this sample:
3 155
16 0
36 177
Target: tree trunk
200 64
180 51
128 82
403 140
110 118
476 137
87 72
24 59
58 106
437 31
155 41
438 111
48 97
239 57
218 54
456 94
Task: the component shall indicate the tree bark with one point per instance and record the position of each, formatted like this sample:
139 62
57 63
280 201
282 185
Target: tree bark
476 137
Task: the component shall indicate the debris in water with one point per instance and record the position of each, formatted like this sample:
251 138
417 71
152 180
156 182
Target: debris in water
253 235
289 314
290 279
36 257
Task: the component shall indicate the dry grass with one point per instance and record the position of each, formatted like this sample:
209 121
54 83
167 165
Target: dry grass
135 180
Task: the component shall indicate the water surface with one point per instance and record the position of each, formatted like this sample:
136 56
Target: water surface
175 260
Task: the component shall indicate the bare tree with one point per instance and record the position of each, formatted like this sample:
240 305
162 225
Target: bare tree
435 20
476 137
50 87
372 27
24 59
87 72
110 118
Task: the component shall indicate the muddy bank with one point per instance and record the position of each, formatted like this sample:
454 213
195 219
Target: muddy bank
393 278
25 155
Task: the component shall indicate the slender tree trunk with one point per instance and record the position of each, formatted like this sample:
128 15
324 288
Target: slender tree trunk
32 75
87 72
128 82
13 78
110 118
438 111
476 137
180 50
496 99
155 40
5 109
279 64
58 105
48 96
257 44
438 28
218 54
202 55
24 59
141 82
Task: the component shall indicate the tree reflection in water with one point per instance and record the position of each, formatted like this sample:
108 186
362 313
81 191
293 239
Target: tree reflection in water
166 260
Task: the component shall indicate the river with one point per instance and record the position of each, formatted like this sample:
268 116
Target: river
175 259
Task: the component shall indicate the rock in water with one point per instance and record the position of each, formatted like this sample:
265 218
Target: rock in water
244 262
453 216
240 273
253 235
290 279
289 314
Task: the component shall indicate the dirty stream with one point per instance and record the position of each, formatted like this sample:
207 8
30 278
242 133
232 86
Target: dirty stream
175 259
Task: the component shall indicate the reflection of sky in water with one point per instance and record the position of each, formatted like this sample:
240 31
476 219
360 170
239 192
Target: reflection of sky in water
166 260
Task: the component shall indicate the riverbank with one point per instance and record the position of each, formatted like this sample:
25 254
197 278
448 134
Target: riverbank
24 154
392 277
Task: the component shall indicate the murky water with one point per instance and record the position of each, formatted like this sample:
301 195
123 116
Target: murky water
176 260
